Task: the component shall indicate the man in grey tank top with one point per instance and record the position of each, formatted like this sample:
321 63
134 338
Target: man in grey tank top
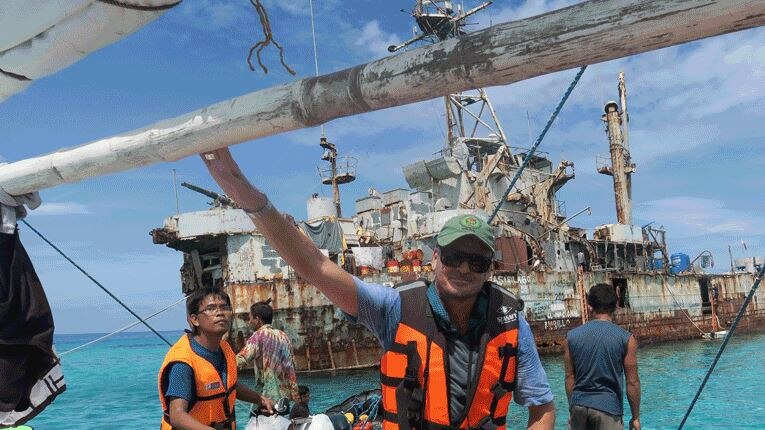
598 356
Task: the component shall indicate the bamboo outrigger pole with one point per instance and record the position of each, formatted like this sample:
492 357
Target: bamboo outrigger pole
586 33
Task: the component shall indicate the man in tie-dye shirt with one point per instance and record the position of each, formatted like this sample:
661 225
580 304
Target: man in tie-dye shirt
269 352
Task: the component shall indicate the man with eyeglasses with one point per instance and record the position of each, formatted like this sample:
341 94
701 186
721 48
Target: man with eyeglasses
198 378
457 349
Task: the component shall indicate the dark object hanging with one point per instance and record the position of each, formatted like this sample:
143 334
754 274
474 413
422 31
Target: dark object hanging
268 38
31 374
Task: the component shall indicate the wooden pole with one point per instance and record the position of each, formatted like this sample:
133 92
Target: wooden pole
585 33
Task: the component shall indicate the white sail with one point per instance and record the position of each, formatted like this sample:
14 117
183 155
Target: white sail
41 37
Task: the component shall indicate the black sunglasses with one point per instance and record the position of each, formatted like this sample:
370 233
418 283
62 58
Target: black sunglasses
453 258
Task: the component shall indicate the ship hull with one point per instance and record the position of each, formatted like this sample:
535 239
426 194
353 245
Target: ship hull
655 307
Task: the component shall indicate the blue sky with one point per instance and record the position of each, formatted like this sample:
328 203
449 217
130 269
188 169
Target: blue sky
696 136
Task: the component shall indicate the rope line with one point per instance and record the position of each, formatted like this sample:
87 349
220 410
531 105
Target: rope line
315 51
313 36
95 281
725 343
127 327
685 311
528 156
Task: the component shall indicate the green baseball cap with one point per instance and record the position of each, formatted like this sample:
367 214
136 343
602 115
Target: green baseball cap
465 225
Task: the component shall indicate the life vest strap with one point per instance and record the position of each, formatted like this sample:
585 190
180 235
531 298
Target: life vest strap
390 381
502 387
410 396
399 348
214 396
490 423
226 424
413 364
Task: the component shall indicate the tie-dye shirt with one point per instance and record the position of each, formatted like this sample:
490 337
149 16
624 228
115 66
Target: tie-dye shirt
269 352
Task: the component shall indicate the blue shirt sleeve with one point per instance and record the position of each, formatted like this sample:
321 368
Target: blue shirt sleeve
532 388
379 310
180 382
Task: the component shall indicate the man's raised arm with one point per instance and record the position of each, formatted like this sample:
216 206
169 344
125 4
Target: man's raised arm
292 245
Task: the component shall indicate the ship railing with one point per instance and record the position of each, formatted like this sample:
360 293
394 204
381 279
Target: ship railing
560 208
603 162
345 168
523 150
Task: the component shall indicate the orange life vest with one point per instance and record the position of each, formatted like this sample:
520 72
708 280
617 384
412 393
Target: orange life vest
214 405
413 370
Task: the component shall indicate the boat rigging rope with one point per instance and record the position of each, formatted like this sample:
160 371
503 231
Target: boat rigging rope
732 328
96 282
685 312
127 327
315 51
528 156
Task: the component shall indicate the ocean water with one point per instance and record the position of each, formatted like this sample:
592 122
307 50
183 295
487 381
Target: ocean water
112 385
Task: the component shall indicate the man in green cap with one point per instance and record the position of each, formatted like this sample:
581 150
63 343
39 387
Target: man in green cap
457 349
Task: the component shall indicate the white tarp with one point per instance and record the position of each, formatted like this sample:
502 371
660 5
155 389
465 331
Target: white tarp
41 37
262 422
371 256
315 422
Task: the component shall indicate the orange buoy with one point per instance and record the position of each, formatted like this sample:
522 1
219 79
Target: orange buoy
405 266
416 266
392 266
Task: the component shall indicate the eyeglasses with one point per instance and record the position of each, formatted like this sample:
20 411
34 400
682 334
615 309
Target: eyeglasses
477 263
211 309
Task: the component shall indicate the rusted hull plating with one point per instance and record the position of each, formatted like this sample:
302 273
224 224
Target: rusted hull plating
655 307
321 338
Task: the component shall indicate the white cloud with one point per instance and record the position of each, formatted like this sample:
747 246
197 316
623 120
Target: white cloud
214 14
708 92
528 9
293 7
687 216
62 208
384 167
704 78
301 7
695 224
375 40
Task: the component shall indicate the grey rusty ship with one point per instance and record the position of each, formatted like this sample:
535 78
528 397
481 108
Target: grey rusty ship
542 258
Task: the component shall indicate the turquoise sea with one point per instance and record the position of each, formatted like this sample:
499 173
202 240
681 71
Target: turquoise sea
112 385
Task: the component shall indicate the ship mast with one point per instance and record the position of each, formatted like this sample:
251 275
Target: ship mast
335 174
472 124
621 167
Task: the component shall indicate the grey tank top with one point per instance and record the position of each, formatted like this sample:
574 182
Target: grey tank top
597 351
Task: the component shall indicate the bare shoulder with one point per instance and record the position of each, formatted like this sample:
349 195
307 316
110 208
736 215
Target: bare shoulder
632 342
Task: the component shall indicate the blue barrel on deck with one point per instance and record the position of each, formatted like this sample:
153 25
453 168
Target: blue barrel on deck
658 263
679 262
